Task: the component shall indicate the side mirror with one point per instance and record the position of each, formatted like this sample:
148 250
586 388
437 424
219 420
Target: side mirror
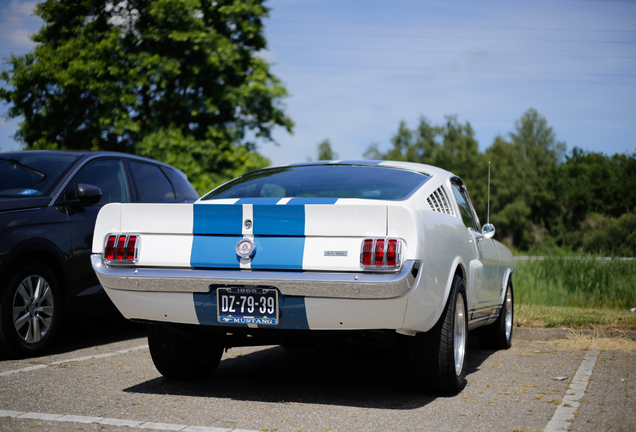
88 194
488 230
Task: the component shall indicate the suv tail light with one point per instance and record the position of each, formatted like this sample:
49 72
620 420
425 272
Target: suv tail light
121 249
381 254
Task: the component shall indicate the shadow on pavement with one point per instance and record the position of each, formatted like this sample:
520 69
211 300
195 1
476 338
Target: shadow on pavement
357 376
92 321
97 330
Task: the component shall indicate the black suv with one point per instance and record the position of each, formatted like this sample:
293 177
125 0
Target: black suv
49 201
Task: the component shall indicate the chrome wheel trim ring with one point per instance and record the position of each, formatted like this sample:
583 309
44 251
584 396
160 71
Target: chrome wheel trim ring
459 334
508 316
33 309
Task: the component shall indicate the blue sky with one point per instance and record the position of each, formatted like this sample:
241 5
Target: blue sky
355 69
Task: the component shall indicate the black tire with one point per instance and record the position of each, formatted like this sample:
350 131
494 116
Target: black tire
30 310
438 357
498 335
177 355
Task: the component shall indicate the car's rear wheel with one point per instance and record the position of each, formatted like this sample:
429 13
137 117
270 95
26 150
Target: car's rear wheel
177 355
498 335
438 357
30 310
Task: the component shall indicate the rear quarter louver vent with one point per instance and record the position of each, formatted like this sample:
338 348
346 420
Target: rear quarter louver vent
439 202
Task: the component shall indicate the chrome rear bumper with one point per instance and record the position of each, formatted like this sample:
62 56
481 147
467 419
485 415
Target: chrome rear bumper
305 284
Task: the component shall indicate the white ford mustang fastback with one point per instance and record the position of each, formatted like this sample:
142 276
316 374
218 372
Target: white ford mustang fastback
305 252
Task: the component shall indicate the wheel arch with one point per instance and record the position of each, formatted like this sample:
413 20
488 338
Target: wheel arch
39 249
504 283
457 269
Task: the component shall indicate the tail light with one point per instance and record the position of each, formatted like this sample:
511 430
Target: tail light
367 248
381 254
121 249
109 249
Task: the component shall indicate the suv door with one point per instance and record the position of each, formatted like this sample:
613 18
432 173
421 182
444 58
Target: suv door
160 184
109 175
151 184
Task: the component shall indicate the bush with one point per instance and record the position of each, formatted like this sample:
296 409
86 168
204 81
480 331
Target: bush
609 236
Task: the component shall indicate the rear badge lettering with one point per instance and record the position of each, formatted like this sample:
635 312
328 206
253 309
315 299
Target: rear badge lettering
336 253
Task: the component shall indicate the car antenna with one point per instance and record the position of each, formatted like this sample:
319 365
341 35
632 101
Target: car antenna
488 214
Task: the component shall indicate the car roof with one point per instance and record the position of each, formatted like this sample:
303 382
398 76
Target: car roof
89 154
411 166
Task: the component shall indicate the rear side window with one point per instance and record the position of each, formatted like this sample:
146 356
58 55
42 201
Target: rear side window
182 187
109 176
151 183
465 206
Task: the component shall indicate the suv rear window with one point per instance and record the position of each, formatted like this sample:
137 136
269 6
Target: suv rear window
152 184
182 187
323 181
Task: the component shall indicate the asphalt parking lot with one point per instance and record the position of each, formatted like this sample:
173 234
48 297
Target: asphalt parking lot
102 379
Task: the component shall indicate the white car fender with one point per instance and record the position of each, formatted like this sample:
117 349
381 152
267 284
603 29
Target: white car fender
108 221
443 237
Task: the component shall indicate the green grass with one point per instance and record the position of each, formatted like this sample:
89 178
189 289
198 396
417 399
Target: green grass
587 283
577 294
573 317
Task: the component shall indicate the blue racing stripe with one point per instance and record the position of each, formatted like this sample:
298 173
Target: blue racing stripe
305 201
220 219
292 312
257 201
278 230
279 220
215 251
279 253
275 253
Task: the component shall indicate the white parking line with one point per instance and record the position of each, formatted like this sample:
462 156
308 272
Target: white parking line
78 359
116 422
562 418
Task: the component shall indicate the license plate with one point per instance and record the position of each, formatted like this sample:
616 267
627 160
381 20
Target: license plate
247 305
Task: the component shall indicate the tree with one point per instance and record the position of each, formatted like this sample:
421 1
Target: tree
541 197
208 162
417 145
526 185
107 75
325 152
451 146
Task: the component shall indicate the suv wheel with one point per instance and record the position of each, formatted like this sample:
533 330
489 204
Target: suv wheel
30 310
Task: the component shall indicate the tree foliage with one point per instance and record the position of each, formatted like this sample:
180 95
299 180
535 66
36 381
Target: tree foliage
541 196
207 162
451 146
325 152
110 75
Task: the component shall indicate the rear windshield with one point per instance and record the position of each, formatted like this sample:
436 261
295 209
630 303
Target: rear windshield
24 174
323 181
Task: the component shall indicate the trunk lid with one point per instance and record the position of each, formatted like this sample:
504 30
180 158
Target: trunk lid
295 234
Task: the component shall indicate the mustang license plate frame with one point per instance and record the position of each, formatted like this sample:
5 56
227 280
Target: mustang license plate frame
243 305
